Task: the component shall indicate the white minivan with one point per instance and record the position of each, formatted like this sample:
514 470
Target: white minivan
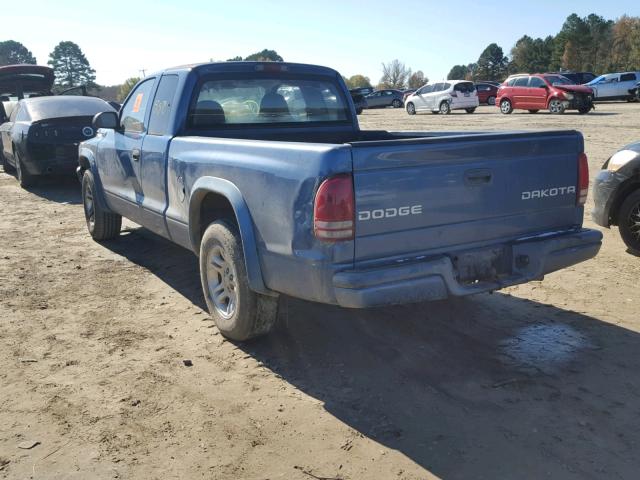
614 86
443 97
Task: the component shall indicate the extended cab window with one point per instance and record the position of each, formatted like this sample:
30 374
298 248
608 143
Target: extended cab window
162 105
133 112
267 100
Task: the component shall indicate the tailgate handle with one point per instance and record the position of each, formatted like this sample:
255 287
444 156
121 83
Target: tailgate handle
481 176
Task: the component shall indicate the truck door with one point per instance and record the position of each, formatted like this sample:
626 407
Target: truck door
153 163
120 153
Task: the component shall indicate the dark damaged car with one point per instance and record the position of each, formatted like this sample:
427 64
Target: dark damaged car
41 136
617 195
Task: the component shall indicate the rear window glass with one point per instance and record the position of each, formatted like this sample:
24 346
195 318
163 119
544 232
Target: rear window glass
59 107
267 100
465 87
625 77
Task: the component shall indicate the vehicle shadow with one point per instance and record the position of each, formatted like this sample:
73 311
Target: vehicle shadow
65 189
491 386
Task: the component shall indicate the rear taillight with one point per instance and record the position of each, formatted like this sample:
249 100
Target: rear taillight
334 209
583 179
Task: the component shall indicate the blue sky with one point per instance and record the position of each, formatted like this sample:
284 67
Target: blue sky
121 38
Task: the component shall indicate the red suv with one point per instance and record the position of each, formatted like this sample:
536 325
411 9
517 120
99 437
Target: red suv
537 92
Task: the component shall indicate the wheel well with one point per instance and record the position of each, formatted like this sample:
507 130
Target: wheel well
626 190
214 206
84 163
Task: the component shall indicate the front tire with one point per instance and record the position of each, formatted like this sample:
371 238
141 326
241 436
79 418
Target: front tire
470 110
506 107
240 313
629 222
102 225
411 108
8 168
556 107
445 108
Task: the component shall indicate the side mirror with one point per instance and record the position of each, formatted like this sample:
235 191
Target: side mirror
105 120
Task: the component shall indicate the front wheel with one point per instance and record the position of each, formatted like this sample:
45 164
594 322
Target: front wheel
396 103
556 107
5 163
102 225
411 109
629 221
470 110
239 312
506 107
445 108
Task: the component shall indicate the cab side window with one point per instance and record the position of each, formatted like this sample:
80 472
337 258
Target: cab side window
133 112
163 105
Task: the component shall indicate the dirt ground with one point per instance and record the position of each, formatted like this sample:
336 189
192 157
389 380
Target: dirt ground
536 381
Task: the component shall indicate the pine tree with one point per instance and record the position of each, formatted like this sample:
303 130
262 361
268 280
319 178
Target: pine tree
70 66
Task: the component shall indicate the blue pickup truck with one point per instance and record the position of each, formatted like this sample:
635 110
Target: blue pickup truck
262 171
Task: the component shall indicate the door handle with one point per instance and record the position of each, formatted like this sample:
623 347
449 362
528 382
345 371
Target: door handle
135 154
478 177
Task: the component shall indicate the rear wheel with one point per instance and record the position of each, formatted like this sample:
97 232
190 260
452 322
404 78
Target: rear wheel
5 164
396 103
239 312
411 108
470 110
101 225
491 100
583 111
534 110
22 174
445 108
506 107
629 221
556 106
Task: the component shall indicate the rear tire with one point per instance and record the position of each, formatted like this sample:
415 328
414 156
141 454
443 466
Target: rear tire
8 168
240 313
491 100
411 108
102 225
629 221
506 107
584 111
25 179
396 103
534 111
470 110
445 108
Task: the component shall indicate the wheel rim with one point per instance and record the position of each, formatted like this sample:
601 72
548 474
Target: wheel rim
634 222
396 103
444 107
491 100
222 282
505 107
89 207
554 106
411 108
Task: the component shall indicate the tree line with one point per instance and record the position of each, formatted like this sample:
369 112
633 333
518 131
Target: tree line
591 43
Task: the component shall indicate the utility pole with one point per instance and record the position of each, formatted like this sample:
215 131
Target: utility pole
143 71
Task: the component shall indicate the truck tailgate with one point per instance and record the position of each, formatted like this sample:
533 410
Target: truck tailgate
438 195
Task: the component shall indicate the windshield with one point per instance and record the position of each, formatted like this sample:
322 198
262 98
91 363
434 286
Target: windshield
558 80
597 79
267 100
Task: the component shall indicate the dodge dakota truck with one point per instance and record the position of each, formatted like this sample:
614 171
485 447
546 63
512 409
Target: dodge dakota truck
262 171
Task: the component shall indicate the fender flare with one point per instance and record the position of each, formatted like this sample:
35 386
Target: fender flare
220 186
